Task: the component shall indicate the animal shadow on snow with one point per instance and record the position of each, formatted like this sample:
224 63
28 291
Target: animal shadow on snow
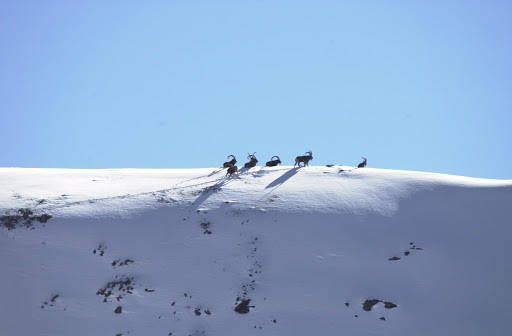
265 170
283 178
353 173
208 191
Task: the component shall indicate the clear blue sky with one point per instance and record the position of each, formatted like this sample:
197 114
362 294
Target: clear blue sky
421 85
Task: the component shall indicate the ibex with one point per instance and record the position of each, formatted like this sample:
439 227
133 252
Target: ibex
274 161
231 169
362 164
252 161
231 162
304 159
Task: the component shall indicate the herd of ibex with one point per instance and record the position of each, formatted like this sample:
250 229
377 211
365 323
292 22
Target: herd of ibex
274 161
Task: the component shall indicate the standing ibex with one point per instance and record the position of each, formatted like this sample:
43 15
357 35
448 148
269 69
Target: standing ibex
231 169
231 162
304 159
274 161
252 161
362 164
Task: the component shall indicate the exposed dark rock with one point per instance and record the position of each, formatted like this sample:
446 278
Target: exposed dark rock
118 310
123 284
25 213
206 227
23 216
394 258
167 200
382 318
51 302
100 250
43 218
389 305
243 307
9 221
368 304
119 262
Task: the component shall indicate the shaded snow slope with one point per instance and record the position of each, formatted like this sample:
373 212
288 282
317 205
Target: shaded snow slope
273 251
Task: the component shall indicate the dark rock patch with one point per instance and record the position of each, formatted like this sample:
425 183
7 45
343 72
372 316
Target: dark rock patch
118 310
407 252
42 218
243 306
206 227
117 287
23 216
389 305
51 302
162 200
368 304
100 250
119 262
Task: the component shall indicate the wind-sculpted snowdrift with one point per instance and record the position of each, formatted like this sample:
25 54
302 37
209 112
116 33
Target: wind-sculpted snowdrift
274 251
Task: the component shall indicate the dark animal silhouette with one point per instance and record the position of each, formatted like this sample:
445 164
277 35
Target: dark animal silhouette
304 159
274 161
362 164
231 162
252 161
231 169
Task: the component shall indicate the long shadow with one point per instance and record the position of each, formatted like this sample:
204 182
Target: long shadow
208 191
283 178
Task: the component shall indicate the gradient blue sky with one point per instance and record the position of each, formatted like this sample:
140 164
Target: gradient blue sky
421 85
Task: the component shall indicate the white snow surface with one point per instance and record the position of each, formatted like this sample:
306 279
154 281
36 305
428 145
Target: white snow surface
307 247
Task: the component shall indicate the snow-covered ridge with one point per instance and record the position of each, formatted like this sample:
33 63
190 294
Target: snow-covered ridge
332 189
272 251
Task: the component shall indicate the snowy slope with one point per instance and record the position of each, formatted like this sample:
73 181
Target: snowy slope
274 251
